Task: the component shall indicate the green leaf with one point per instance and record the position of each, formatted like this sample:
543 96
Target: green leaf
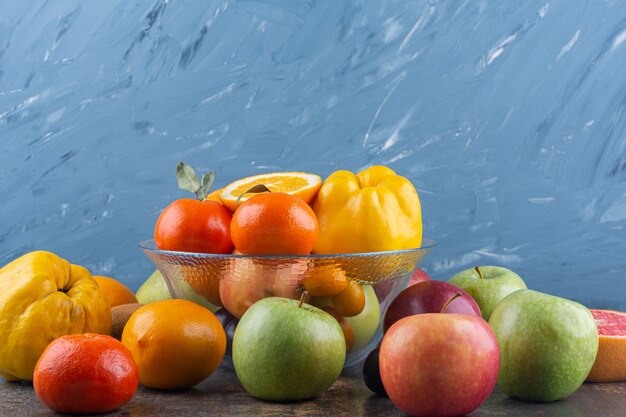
207 183
186 177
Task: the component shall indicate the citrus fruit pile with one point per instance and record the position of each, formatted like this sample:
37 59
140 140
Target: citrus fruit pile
280 222
56 321
293 213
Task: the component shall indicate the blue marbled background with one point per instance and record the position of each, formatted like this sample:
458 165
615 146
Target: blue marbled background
509 117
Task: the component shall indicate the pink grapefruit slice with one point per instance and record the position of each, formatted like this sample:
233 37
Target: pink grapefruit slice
610 364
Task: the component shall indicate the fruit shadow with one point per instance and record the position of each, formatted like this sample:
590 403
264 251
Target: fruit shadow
577 405
363 401
226 396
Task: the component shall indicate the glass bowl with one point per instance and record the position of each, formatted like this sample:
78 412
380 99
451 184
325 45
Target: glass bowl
237 281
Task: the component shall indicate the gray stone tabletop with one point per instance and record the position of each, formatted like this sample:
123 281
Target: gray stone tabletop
222 395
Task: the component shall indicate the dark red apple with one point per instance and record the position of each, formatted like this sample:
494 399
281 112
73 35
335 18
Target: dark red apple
229 323
429 297
441 365
419 275
371 373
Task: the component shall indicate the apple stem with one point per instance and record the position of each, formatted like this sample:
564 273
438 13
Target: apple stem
445 306
304 298
480 274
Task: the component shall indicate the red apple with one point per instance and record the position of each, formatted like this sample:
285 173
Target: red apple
429 297
419 275
250 280
243 285
439 364
287 278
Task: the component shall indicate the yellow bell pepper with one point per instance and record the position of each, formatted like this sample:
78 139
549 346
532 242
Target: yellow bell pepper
375 210
43 297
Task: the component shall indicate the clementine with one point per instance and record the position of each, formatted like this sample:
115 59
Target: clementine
350 301
176 343
324 281
189 225
346 327
85 373
274 224
114 291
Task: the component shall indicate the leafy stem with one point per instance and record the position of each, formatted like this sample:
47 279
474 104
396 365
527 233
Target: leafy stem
189 181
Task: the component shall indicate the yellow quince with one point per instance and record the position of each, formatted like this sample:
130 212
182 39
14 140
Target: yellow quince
43 297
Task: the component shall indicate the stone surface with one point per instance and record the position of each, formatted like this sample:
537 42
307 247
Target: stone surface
510 118
222 395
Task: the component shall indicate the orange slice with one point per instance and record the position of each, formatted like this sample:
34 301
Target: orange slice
214 196
299 184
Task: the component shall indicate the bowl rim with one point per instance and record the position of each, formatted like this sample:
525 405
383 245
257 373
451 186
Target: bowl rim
150 246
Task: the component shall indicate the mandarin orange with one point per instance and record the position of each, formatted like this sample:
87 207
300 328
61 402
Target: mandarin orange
189 225
324 282
85 373
350 301
274 224
114 291
346 326
175 343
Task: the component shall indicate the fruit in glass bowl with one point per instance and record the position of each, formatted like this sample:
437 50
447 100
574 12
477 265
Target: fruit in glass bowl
361 258
245 279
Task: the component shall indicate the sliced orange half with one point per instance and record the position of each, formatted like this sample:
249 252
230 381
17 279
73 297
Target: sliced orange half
214 196
299 184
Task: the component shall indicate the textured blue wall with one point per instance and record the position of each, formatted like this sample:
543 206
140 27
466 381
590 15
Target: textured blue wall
509 117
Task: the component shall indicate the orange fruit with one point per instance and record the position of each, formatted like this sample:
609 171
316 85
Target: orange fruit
274 224
610 364
175 343
346 327
204 282
325 282
85 373
299 184
115 292
214 196
189 225
350 301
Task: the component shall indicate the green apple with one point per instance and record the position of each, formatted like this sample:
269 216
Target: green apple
366 322
547 345
284 350
488 285
155 289
363 324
